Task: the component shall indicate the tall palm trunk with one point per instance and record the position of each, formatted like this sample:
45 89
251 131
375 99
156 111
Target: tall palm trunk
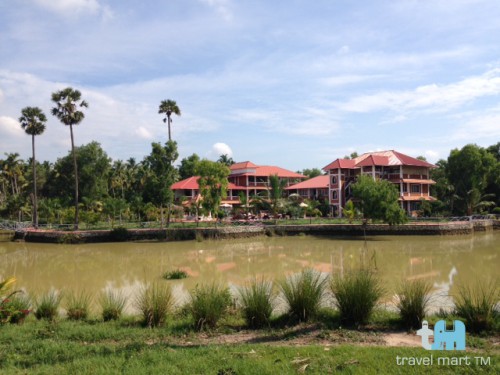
75 167
35 201
169 136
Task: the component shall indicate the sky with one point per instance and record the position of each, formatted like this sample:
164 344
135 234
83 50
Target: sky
290 83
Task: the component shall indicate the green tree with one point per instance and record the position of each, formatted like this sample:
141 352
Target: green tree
168 107
469 170
311 173
213 183
188 166
33 122
350 211
378 200
226 160
161 176
276 191
67 103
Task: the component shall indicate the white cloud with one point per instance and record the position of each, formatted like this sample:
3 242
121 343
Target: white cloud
143 133
10 127
349 79
431 155
221 6
1 95
481 127
73 7
219 149
431 97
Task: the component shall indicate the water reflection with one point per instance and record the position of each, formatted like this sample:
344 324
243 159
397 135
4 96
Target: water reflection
445 261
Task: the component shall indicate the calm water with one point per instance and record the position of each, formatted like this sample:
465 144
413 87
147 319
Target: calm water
445 261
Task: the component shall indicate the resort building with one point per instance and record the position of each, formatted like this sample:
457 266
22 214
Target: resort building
410 175
245 177
315 188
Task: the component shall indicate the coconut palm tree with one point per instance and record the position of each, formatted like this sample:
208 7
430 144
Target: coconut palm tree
68 101
168 107
33 122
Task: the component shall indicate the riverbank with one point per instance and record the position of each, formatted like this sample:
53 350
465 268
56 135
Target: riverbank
245 231
123 347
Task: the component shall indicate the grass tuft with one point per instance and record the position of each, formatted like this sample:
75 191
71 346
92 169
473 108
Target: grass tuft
356 295
257 302
208 304
155 302
476 304
78 305
413 300
303 293
112 305
175 275
47 306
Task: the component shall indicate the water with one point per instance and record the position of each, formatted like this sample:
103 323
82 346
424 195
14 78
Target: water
445 261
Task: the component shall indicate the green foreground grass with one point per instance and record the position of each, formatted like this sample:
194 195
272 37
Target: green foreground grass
124 347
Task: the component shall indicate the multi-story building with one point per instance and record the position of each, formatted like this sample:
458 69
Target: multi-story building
245 177
315 188
410 175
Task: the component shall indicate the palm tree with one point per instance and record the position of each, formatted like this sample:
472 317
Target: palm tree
33 122
67 112
168 107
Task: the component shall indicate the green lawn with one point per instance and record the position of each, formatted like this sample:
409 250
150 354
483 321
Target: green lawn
125 348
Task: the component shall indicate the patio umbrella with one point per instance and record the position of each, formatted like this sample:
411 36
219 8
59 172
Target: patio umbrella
303 205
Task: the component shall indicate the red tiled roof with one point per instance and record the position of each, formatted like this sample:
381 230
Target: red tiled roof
408 160
417 181
268 170
340 163
318 182
417 198
191 183
242 165
374 160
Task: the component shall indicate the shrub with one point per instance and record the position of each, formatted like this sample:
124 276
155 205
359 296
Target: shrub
112 305
476 304
119 234
208 304
413 299
78 305
257 302
154 302
303 293
356 295
175 275
47 305
15 308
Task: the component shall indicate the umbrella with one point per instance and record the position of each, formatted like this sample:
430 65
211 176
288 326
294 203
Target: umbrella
303 205
226 205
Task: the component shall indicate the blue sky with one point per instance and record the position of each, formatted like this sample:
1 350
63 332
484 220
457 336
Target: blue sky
290 83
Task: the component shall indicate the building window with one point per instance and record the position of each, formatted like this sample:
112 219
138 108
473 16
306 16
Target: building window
334 194
334 180
415 188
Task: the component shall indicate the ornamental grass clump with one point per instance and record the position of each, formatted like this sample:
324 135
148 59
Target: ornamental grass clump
112 305
47 305
208 304
413 300
78 305
356 295
15 308
175 275
303 294
257 302
155 301
476 304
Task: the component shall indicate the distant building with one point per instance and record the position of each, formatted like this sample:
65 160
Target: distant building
245 177
410 175
315 188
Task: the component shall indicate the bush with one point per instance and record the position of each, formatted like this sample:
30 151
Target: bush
112 305
303 294
356 295
78 305
47 305
175 275
476 304
257 302
208 304
15 308
155 301
119 234
413 299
